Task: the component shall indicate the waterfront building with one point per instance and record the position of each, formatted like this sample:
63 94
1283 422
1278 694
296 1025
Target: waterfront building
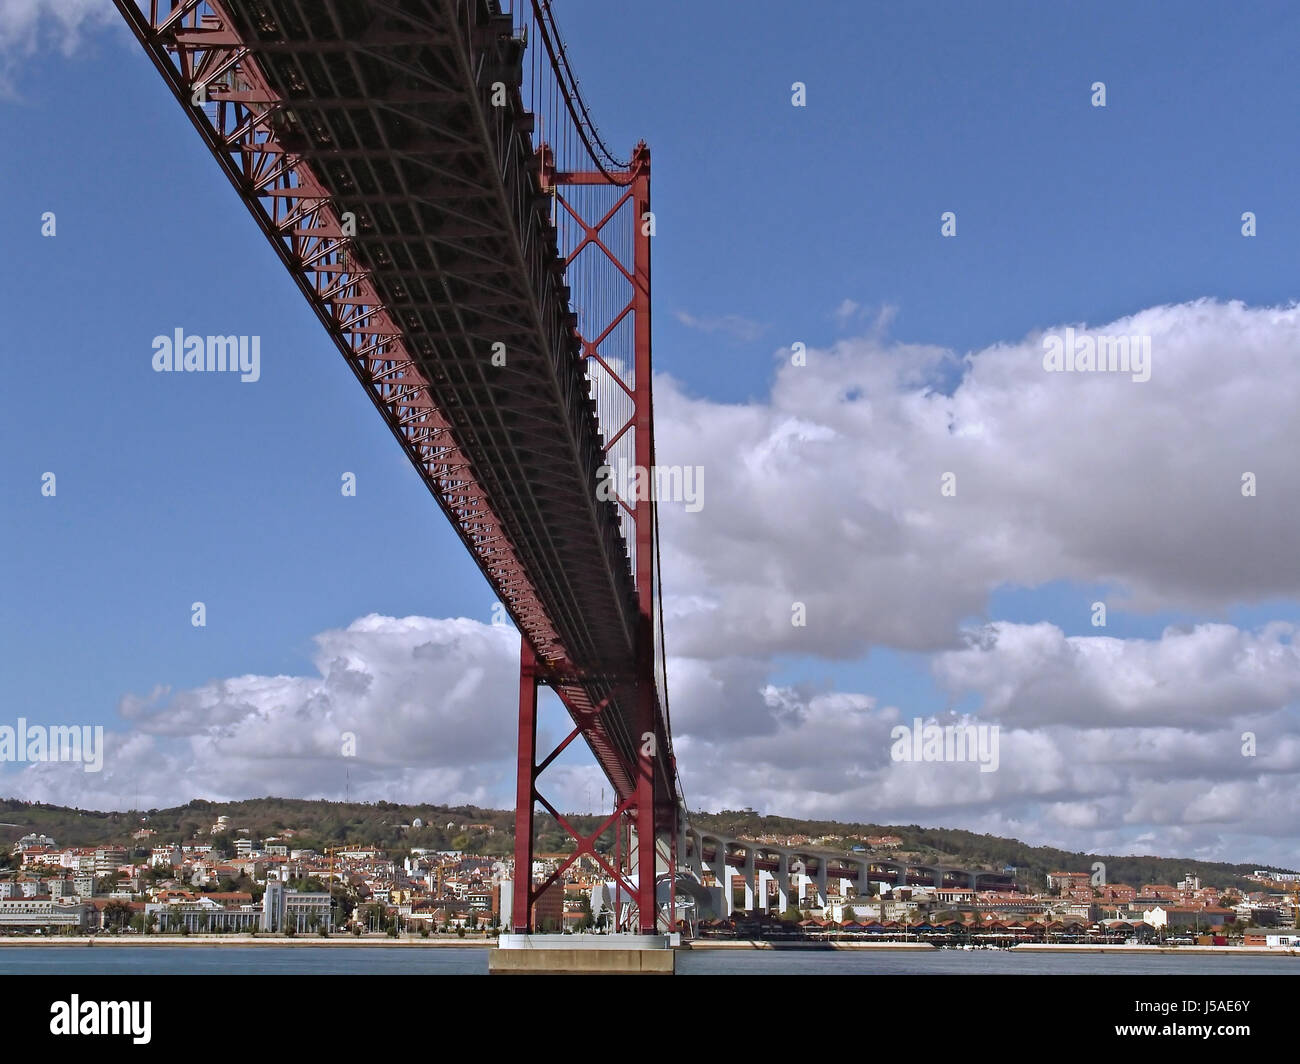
303 911
204 914
42 911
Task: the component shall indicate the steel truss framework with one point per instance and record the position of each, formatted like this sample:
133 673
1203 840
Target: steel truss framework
636 809
415 217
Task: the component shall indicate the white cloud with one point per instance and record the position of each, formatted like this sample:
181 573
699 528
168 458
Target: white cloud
847 311
430 703
1084 786
1035 674
829 492
850 312
741 328
26 26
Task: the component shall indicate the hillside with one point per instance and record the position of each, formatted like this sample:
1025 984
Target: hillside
1032 863
318 824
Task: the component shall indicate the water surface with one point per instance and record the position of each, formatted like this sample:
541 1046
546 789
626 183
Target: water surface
442 960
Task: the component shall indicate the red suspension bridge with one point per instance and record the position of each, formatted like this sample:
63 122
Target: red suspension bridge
430 176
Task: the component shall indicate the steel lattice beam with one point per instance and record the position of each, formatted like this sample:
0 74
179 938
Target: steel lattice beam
415 218
409 214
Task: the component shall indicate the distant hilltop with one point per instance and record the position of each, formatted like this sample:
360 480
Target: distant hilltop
400 828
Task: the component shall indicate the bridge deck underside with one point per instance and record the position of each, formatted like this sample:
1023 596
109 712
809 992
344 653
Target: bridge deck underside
386 106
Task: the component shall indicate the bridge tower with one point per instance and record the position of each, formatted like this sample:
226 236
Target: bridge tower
616 229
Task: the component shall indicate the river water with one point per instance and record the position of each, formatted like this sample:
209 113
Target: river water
362 960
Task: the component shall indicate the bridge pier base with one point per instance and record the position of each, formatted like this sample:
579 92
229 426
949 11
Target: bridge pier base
584 954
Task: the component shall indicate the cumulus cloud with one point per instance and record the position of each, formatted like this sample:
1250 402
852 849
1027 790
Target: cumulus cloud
1080 786
428 704
1033 674
829 493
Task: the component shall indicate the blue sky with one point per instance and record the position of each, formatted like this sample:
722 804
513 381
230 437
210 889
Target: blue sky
775 224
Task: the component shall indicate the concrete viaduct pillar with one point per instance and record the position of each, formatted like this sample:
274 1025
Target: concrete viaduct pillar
718 866
747 870
864 878
783 881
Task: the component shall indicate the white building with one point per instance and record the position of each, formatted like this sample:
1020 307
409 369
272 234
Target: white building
204 915
32 913
78 860
303 911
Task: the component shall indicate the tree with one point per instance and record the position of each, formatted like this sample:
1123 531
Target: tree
117 914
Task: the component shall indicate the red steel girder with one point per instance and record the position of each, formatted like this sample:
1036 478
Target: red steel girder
288 156
297 214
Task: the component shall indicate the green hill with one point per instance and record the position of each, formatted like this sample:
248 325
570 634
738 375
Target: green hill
304 824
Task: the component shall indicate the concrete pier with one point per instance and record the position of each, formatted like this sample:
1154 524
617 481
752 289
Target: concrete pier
583 954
